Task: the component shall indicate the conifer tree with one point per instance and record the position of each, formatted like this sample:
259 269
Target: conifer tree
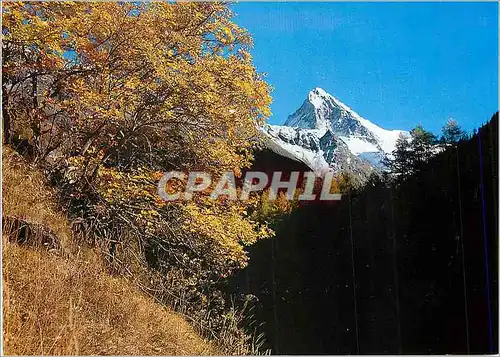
422 144
452 133
401 162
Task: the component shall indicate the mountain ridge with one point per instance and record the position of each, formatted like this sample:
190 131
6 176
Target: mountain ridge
327 135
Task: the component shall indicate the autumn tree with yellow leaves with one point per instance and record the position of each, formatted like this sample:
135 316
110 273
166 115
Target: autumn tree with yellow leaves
107 96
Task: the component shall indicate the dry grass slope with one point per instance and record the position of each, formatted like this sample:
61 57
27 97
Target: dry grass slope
26 197
63 301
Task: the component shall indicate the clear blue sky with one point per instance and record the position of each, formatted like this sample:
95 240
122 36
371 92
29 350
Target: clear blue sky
396 64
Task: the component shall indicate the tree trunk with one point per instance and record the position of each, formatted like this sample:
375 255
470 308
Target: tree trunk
5 116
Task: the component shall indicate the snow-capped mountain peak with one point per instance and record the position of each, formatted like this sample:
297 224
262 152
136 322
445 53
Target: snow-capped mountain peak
318 96
324 116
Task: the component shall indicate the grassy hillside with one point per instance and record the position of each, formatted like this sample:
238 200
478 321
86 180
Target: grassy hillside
59 297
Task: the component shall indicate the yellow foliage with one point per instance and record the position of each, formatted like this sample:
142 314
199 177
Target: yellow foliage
113 94
126 91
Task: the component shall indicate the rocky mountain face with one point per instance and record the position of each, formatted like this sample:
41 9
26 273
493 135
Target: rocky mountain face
325 134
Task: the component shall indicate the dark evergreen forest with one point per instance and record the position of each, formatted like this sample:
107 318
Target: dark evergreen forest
406 264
